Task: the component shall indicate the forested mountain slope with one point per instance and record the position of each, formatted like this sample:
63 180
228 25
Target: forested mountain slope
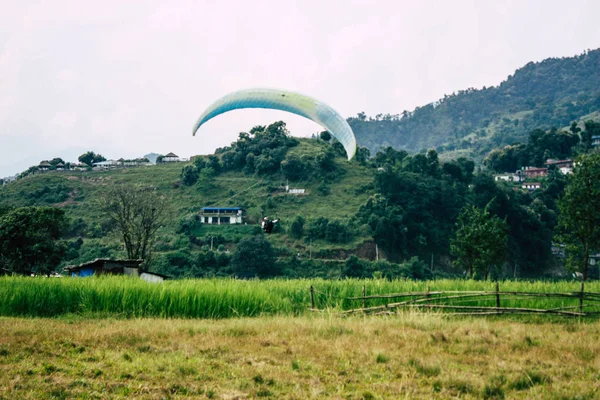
550 93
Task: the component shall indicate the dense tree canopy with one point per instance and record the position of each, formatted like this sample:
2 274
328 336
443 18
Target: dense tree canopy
30 239
542 146
546 94
580 213
480 245
90 158
254 257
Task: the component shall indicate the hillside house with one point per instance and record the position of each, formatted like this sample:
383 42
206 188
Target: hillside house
79 167
153 277
105 266
60 166
531 185
564 166
508 177
596 140
290 190
132 163
171 157
105 165
221 215
532 172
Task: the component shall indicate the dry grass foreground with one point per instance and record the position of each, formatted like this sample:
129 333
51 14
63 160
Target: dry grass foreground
405 356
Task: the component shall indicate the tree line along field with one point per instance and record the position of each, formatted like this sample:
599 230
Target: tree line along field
226 298
411 355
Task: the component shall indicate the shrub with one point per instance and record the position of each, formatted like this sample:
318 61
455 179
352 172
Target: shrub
356 268
189 175
254 257
297 227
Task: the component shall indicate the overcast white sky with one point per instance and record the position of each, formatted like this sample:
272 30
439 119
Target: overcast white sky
125 78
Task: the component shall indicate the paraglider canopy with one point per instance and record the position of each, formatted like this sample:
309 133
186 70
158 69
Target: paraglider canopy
295 103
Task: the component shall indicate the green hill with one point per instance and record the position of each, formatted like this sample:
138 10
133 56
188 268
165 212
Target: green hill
78 193
546 94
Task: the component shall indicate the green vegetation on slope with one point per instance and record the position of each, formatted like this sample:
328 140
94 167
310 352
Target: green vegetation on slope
546 94
393 206
91 233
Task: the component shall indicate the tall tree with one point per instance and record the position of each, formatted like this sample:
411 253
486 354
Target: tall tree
30 239
579 219
137 213
254 256
591 129
90 158
480 244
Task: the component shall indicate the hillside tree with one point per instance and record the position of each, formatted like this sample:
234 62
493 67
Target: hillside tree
137 213
480 244
189 175
254 256
579 218
297 227
591 129
90 158
30 239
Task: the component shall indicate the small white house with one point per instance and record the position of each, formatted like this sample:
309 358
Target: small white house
566 170
508 177
294 191
564 166
152 277
221 215
531 185
104 165
79 167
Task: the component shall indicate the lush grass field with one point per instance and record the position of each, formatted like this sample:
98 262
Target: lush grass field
409 356
227 298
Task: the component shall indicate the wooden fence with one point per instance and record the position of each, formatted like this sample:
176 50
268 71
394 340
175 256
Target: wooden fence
585 303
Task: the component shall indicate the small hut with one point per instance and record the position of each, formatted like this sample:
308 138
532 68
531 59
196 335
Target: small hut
105 266
44 166
171 157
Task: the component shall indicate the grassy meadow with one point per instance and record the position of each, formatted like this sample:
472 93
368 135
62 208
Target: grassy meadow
119 337
226 298
407 356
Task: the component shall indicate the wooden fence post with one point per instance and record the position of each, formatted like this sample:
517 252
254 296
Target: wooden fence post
581 297
364 292
427 296
497 295
312 297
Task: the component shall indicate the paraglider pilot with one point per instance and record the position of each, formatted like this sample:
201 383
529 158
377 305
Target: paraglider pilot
268 224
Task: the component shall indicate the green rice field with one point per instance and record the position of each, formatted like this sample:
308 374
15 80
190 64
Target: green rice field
228 298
